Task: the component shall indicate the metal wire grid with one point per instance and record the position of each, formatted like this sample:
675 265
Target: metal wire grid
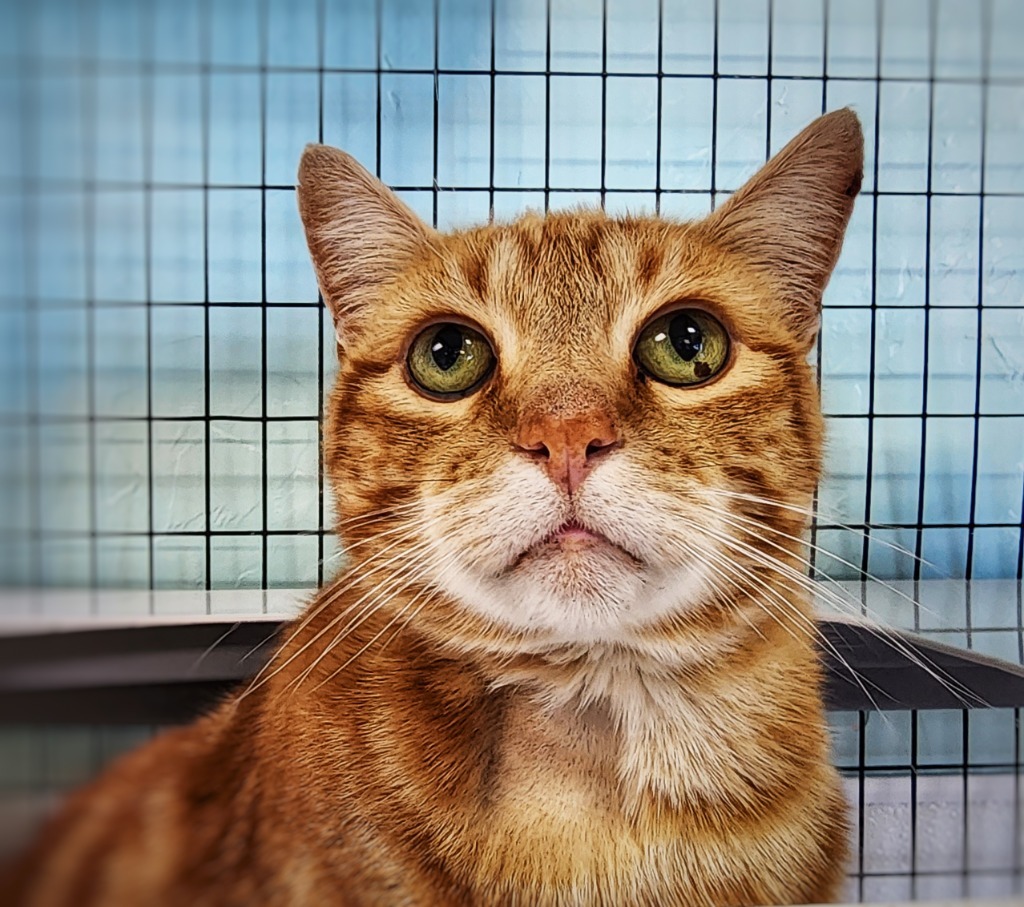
242 551
937 803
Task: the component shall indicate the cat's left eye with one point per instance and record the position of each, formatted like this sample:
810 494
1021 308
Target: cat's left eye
450 360
682 347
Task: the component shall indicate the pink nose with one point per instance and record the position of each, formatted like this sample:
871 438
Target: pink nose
568 447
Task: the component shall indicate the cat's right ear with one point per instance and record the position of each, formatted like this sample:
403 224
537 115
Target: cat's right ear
360 234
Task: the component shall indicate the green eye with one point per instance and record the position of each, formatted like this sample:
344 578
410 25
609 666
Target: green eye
450 360
682 347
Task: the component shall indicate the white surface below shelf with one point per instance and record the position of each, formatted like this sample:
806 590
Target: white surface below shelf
24 611
979 614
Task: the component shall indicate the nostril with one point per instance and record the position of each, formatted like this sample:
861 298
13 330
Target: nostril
600 446
567 448
538 450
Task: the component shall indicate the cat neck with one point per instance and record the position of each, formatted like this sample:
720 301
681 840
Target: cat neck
677 713
661 719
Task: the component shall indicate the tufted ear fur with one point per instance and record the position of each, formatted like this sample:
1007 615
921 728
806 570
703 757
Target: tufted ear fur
360 234
788 220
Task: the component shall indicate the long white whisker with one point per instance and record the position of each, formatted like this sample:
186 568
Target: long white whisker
331 594
385 592
747 575
810 514
432 595
742 523
886 636
329 599
444 564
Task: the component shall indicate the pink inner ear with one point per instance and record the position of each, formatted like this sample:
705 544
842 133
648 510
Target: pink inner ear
789 219
360 234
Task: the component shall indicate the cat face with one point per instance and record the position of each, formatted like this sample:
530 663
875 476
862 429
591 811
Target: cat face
564 428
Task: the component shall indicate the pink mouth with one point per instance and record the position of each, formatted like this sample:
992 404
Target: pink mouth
572 537
571 530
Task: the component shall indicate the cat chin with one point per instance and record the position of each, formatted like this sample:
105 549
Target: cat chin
599 570
596 595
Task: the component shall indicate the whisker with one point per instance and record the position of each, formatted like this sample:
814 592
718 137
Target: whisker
748 524
736 520
363 519
950 683
811 514
432 596
382 594
329 599
745 574
402 563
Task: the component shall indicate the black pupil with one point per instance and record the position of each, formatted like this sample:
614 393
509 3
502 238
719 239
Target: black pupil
686 337
447 346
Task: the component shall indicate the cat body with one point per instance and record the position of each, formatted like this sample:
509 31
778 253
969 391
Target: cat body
434 788
570 659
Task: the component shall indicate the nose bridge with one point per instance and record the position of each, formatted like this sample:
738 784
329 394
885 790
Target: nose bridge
563 396
567 427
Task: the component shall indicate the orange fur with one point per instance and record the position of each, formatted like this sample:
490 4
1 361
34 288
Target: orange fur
480 710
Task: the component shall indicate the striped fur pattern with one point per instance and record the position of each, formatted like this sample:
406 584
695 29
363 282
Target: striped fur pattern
485 707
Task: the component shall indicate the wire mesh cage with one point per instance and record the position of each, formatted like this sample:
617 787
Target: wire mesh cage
166 355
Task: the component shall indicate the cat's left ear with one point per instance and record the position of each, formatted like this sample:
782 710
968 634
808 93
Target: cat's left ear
360 234
788 220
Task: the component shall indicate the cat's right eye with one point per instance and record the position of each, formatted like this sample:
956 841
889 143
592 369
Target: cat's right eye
450 360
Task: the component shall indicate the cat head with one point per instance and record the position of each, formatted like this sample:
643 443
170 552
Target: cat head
568 429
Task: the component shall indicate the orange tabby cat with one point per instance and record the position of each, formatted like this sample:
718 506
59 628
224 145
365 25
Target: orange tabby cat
567 662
